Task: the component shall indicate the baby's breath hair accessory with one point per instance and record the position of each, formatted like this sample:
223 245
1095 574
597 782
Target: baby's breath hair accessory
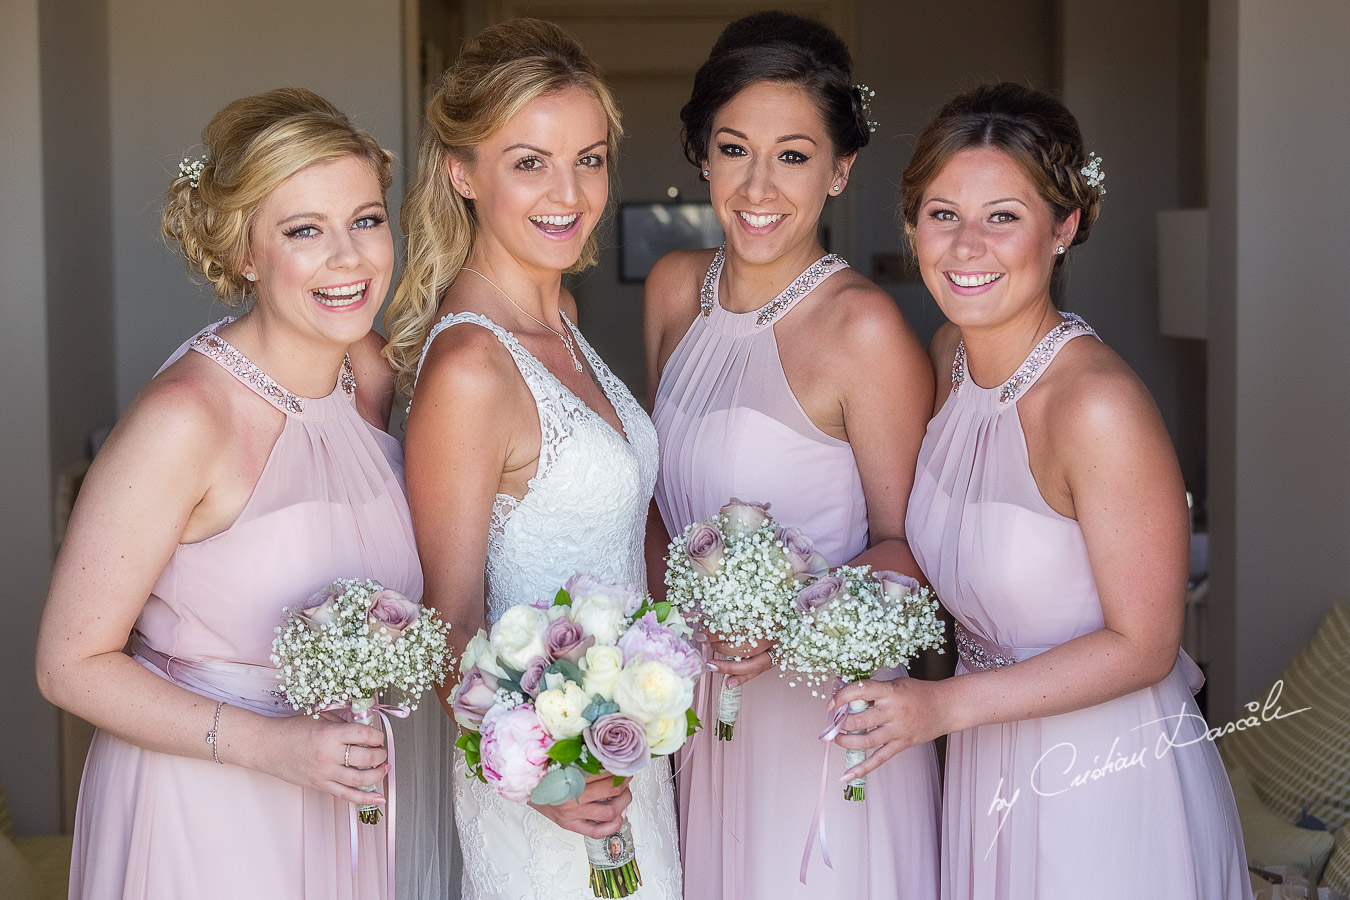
192 168
1094 174
865 95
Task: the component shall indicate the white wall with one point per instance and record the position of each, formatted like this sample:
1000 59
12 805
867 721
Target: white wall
1279 316
28 740
173 64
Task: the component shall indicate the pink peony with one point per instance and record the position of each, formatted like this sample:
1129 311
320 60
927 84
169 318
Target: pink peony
619 743
476 694
584 584
514 750
649 639
390 613
705 549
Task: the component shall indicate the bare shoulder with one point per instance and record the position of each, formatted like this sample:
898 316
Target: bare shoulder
466 363
674 283
1090 396
374 378
864 317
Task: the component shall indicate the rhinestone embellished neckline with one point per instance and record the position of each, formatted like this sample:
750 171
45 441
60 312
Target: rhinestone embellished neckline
223 352
802 285
1038 359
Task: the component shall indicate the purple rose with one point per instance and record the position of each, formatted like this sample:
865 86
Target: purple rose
820 592
565 639
798 548
321 607
744 516
619 743
895 587
476 694
534 674
649 639
705 549
390 613
584 584
514 751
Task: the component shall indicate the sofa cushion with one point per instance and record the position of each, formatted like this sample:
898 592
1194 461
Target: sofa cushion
1304 760
18 881
1337 874
1271 841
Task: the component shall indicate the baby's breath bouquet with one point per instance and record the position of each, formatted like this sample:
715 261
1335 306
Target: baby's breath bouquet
352 641
850 624
738 572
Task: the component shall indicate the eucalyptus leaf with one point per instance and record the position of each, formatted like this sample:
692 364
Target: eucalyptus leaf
567 669
599 707
558 786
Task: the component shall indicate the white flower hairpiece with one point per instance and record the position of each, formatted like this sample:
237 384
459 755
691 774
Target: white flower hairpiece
192 168
1094 174
865 95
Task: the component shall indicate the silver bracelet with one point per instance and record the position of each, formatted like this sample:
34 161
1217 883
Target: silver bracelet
212 737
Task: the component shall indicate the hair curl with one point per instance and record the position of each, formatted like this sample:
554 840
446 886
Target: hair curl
787 49
252 146
1033 128
498 73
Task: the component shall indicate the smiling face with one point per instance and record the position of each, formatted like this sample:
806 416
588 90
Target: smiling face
540 183
322 253
986 240
770 168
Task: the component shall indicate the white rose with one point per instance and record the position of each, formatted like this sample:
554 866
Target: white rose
649 690
665 736
675 621
560 711
600 615
518 636
602 666
480 653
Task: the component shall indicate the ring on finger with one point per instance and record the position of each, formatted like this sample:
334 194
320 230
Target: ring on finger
346 756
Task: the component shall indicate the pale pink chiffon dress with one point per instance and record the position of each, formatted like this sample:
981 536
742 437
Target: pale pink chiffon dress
1101 804
729 425
329 504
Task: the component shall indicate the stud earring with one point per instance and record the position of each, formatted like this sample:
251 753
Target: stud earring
467 192
251 276
705 173
1060 250
836 188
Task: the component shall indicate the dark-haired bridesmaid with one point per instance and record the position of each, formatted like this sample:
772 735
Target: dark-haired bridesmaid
780 374
1048 512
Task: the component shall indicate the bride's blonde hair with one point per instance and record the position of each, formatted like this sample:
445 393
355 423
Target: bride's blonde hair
497 74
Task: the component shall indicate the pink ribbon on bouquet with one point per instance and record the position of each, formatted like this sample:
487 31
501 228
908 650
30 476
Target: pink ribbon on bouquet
384 710
817 830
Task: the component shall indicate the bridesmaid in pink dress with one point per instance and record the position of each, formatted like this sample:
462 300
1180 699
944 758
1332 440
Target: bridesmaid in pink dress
780 374
253 470
1048 512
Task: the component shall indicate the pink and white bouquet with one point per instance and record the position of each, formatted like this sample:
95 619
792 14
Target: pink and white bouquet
738 573
850 624
602 680
352 641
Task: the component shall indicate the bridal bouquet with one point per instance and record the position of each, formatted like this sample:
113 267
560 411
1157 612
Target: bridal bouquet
600 681
738 572
852 623
352 641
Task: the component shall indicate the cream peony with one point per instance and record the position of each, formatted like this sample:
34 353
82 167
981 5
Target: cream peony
518 636
480 653
600 615
602 666
650 690
665 736
560 711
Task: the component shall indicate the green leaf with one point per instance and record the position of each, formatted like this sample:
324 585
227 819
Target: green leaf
662 610
558 786
562 598
589 764
567 669
599 707
618 780
566 751
691 722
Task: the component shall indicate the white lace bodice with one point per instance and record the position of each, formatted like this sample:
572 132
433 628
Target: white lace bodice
585 509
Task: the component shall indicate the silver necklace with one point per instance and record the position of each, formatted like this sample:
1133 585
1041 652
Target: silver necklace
562 336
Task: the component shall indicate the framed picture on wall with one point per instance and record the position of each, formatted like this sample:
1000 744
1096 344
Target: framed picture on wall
648 231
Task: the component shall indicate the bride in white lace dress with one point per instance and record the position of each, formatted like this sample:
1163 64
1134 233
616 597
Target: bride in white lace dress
527 459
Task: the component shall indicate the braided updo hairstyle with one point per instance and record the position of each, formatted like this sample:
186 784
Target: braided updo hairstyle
1033 128
252 146
784 48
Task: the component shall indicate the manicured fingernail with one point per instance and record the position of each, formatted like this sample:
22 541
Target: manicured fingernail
712 667
700 637
732 682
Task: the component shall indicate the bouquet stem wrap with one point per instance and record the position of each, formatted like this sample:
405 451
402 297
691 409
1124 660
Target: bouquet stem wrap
728 709
614 868
857 788
363 712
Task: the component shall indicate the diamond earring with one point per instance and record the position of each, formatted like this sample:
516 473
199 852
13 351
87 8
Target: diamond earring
1060 250
705 173
251 276
836 188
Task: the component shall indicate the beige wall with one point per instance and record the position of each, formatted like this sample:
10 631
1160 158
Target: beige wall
1279 319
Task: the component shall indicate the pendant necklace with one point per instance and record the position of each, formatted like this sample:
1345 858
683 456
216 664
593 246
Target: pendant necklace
562 336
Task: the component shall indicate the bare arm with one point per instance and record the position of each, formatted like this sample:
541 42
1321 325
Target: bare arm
166 471
374 379
1121 477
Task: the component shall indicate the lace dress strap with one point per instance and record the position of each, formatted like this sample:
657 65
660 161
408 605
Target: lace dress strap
1036 362
212 345
549 395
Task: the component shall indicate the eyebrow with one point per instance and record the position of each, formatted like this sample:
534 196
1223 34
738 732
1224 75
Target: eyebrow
542 152
990 203
314 215
782 140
